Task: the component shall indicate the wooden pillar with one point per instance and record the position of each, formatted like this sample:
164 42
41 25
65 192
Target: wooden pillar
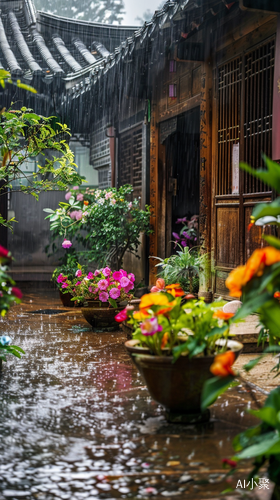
153 250
205 285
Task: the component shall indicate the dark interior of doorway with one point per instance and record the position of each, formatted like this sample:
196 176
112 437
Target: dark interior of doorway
183 160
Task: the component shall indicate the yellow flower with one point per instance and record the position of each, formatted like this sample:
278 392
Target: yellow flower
156 299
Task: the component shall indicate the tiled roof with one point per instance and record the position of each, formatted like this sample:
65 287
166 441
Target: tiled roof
35 43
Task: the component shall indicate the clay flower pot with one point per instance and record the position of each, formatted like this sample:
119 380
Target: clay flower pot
66 299
100 316
176 386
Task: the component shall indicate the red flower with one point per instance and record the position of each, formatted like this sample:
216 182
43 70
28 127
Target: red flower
227 461
121 316
17 292
4 253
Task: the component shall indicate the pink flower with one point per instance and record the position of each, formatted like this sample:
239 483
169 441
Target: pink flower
66 243
17 292
79 215
80 197
68 195
124 273
75 188
78 283
150 326
106 271
130 205
124 281
113 201
155 289
103 296
97 272
128 287
64 285
90 276
78 273
73 214
114 293
61 278
108 195
131 277
121 316
117 275
102 285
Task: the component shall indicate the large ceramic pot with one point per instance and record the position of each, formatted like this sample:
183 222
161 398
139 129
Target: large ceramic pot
101 317
177 386
66 299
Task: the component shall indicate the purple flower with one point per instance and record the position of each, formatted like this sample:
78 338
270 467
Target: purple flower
103 285
64 285
103 296
106 271
97 272
176 236
124 281
61 278
66 243
117 275
68 195
128 287
78 273
90 276
150 326
181 221
186 235
183 243
114 293
80 197
131 277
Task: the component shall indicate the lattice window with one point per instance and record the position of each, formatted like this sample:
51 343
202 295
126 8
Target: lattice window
103 178
259 66
229 94
130 158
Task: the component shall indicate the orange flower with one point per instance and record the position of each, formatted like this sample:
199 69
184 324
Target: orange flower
222 315
249 226
160 283
156 299
277 295
164 340
86 202
235 281
222 364
175 290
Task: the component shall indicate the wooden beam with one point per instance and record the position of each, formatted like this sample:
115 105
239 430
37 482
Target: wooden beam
153 250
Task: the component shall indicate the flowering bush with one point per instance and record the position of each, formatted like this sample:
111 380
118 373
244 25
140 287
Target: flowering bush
102 285
66 272
106 222
162 322
188 235
9 294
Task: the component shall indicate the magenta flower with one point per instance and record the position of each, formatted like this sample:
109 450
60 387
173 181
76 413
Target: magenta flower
150 326
124 281
64 285
78 283
131 277
66 243
102 285
97 272
117 275
80 197
106 271
128 287
124 273
90 276
61 278
68 196
78 273
114 293
103 296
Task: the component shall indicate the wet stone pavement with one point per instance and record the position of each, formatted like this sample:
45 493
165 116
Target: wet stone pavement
77 422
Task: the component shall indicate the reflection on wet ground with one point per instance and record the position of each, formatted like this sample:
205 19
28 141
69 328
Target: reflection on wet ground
76 421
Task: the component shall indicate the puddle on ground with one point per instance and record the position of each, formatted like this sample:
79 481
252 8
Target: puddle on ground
77 422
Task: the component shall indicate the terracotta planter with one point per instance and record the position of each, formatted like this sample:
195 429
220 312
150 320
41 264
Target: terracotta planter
66 299
177 386
101 318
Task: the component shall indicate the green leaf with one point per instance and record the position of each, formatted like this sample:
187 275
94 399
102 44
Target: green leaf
268 446
213 388
271 176
48 210
272 240
252 305
112 302
265 209
266 414
252 363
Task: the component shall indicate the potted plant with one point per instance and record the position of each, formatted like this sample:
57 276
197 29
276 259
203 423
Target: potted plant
174 346
9 294
108 223
62 275
101 292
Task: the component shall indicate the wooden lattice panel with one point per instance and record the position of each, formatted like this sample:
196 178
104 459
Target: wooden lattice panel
130 159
